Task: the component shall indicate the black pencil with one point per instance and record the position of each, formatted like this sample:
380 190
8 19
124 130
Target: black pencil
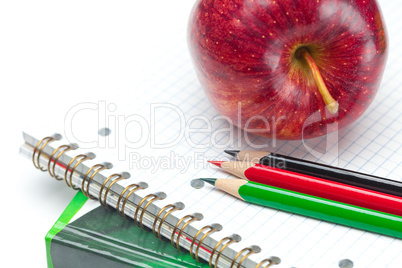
323 171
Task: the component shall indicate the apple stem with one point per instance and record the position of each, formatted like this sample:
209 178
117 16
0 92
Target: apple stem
332 105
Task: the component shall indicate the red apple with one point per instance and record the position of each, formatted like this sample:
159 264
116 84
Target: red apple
281 61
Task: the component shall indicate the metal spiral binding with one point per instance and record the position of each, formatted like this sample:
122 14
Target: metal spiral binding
65 149
80 158
271 261
153 198
190 218
172 209
168 209
96 168
121 196
249 250
245 257
212 228
107 191
121 211
115 176
229 240
37 152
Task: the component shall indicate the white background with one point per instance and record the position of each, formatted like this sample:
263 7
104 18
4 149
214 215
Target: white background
53 55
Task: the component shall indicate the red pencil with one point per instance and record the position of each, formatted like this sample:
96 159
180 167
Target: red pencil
313 186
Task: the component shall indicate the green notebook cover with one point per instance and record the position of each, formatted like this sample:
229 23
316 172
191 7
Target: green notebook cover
101 238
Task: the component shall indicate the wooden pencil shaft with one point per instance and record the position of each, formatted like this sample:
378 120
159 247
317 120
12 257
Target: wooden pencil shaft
251 156
333 173
340 175
237 168
322 209
323 188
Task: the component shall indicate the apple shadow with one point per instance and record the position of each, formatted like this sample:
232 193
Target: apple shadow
323 149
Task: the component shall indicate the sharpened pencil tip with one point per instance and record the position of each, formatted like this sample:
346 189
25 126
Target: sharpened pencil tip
232 152
216 163
209 180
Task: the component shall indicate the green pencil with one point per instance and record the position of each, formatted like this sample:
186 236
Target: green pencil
311 206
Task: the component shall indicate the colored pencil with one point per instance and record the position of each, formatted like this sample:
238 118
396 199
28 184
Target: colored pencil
341 175
310 206
313 186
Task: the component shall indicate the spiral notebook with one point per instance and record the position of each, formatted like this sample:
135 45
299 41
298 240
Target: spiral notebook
156 138
87 231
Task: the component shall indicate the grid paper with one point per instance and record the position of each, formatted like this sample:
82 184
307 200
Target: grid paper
371 145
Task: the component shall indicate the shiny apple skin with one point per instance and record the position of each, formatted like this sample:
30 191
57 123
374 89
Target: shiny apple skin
244 56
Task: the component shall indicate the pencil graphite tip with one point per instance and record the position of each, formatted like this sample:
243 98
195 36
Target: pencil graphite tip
232 152
209 180
216 163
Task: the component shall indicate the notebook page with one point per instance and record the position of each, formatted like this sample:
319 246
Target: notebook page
163 130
